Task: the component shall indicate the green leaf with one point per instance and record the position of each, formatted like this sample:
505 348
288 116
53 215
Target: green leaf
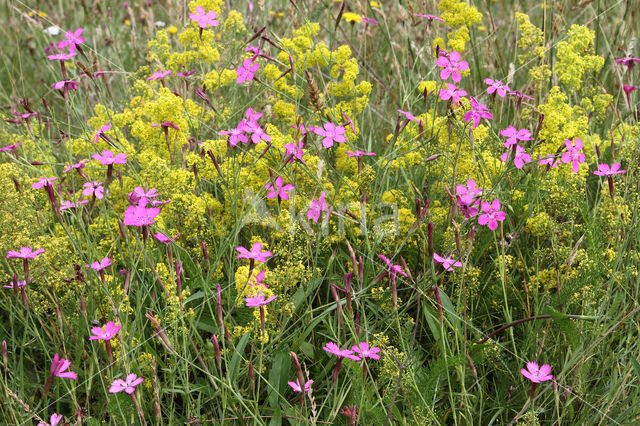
566 325
237 356
277 377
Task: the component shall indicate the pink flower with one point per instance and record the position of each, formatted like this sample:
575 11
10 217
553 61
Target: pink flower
548 159
58 367
393 269
73 38
431 18
164 239
451 92
296 385
513 136
369 20
317 206
138 194
203 19
573 154
364 351
140 215
101 131
9 148
93 188
54 420
294 150
24 253
18 284
359 153
257 132
66 205
99 266
477 112
43 182
451 66
246 71
61 56
466 197
492 214
331 134
236 135
628 62
110 330
252 116
279 190
166 124
520 95
521 157
605 170
628 89
78 166
107 158
128 385
258 301
409 116
333 348
256 253
447 263
537 374
66 84
496 85
159 75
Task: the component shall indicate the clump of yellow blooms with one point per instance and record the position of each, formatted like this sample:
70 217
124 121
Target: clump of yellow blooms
532 49
575 57
459 15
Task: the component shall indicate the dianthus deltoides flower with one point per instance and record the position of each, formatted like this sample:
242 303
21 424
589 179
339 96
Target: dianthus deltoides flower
333 349
128 385
140 215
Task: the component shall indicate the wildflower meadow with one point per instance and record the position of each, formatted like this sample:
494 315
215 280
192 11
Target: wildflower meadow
414 212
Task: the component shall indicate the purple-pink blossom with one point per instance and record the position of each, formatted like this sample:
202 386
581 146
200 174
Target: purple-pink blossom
256 253
513 135
467 198
606 170
294 150
451 66
236 135
204 19
66 84
363 350
333 349
317 206
93 188
159 75
246 71
54 420
447 262
296 385
99 266
477 112
108 158
521 157
110 330
279 190
24 253
164 239
491 214
43 182
140 215
358 153
258 301
537 374
59 367
453 93
496 86
573 155
331 134
72 38
393 270
128 385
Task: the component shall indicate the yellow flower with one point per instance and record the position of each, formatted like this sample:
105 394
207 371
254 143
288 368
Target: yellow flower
352 17
173 30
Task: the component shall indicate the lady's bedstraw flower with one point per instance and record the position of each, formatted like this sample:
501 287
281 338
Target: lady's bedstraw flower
203 19
453 93
331 133
492 214
317 206
247 70
279 190
477 112
520 158
573 154
496 86
451 66
513 135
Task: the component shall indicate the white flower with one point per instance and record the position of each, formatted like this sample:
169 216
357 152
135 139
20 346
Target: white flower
53 30
159 23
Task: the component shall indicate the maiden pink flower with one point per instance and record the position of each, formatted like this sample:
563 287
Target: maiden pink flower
17 284
333 348
44 182
246 71
606 170
537 374
331 134
492 214
477 112
296 385
363 350
203 19
258 301
101 131
467 198
140 215
513 135
393 270
24 253
66 205
496 86
128 385
359 153
294 150
453 93
73 38
447 262
99 266
521 157
138 194
159 75
107 158
66 84
59 367
54 420
110 330
256 253
77 166
164 239
279 190
62 56
573 154
317 206
451 66
409 116
236 135
93 188
431 18
257 133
